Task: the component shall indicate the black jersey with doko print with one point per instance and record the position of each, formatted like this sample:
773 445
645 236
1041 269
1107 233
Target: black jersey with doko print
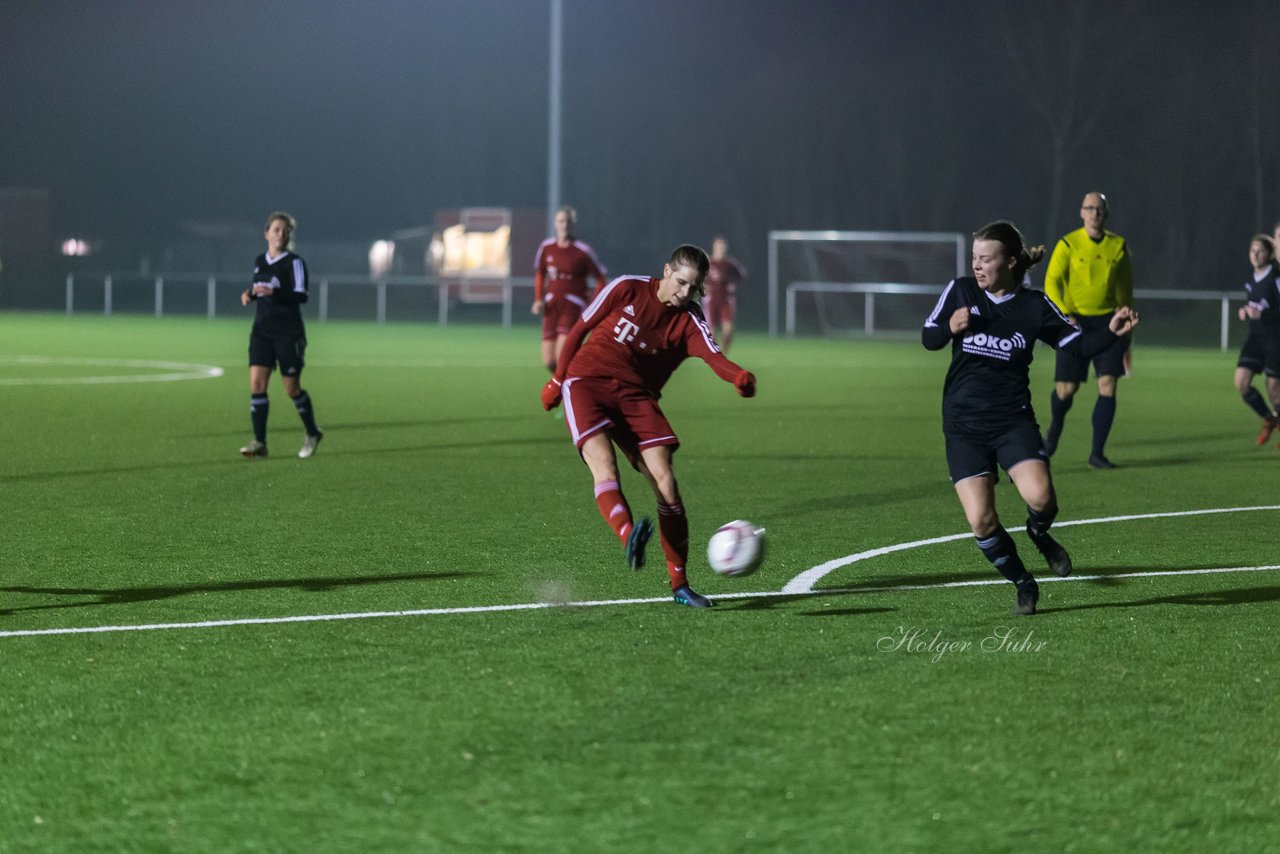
988 384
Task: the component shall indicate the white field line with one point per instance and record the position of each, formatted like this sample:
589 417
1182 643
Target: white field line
759 594
542 606
804 582
545 606
177 371
425 364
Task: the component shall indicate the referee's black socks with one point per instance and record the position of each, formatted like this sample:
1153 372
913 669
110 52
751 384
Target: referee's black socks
1058 408
999 548
1104 413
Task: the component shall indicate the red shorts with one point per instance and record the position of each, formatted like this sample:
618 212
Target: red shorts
720 310
631 415
559 313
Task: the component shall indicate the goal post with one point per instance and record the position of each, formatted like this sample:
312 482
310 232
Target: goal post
833 264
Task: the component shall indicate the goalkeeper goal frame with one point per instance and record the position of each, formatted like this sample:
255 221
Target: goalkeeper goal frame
776 238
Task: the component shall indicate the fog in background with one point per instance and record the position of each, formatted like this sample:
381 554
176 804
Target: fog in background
681 119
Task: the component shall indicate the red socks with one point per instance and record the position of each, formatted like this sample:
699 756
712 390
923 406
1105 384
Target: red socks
673 525
614 509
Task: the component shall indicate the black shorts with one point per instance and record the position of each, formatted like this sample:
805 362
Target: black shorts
1108 363
1261 353
971 453
287 350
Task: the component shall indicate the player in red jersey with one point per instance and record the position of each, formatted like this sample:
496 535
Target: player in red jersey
721 303
561 270
641 330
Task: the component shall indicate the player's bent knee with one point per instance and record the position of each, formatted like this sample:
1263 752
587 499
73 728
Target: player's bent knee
984 526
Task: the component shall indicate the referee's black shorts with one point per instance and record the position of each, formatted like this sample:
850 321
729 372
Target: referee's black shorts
972 452
1108 363
286 350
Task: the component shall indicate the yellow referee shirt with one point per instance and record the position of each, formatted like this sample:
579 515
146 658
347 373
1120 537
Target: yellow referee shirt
1089 278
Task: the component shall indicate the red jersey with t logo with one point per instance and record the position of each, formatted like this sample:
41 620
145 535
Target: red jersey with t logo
562 271
638 340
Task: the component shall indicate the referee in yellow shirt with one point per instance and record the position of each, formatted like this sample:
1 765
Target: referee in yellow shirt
1090 275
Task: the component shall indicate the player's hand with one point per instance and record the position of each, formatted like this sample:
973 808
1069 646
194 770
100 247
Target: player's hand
961 320
537 307
745 383
1250 312
245 297
1242 314
261 290
1123 321
551 394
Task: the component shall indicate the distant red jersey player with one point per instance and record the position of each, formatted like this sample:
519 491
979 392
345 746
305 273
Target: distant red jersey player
561 270
721 303
640 330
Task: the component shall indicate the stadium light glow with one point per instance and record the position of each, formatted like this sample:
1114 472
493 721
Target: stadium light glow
381 254
73 247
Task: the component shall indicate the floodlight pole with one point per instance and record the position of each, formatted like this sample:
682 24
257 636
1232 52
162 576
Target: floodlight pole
553 118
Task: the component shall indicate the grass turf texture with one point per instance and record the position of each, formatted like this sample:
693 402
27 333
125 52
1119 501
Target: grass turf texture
1140 714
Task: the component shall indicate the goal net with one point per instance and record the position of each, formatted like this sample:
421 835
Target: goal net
842 283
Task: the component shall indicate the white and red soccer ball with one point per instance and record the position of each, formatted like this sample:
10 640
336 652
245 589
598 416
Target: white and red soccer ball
736 549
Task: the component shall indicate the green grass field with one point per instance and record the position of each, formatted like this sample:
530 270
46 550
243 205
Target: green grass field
1137 712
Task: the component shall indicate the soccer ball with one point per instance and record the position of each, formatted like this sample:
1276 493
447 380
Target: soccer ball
736 549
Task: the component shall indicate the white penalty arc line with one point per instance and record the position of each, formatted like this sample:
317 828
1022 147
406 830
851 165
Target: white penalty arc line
792 588
804 582
176 371
545 606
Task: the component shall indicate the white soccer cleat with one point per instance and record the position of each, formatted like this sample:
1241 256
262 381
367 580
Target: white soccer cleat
254 449
309 446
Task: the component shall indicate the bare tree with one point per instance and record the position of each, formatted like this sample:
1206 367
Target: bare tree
1060 66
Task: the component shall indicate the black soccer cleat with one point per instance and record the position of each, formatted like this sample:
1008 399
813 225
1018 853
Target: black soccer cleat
637 540
1098 461
1028 596
1054 555
684 595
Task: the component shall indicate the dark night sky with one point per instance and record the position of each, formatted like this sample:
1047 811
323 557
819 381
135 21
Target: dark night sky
682 119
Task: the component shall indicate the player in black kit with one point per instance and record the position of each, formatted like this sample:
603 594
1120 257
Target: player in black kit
278 336
992 323
1261 350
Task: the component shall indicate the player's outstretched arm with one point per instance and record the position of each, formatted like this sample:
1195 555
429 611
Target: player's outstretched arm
595 312
731 372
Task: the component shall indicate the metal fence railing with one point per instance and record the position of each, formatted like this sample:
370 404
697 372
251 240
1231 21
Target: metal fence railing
148 293
870 290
